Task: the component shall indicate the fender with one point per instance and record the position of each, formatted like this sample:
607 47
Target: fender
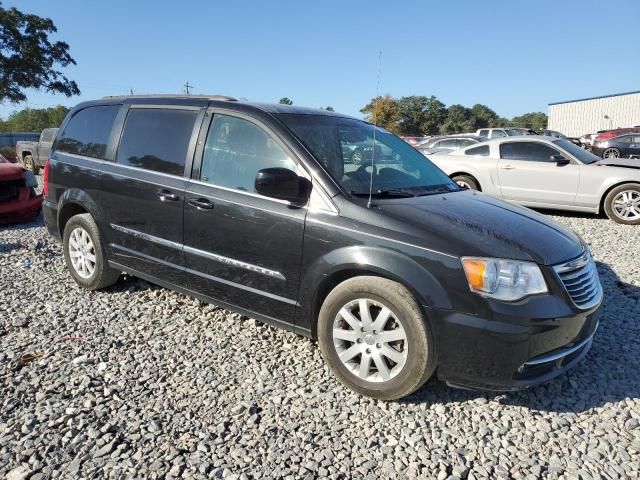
342 263
84 200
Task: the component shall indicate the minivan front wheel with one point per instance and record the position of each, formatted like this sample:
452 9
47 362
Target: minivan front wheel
84 254
375 339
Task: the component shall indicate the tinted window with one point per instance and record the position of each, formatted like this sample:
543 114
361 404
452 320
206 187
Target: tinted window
483 133
157 139
235 150
482 151
449 143
532 151
465 142
580 153
498 133
624 139
87 133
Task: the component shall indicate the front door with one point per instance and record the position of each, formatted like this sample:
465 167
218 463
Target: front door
528 174
241 248
142 193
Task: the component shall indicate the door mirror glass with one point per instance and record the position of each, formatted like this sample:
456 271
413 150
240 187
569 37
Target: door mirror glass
560 160
283 184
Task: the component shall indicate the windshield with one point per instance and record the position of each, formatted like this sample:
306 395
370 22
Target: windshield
345 147
580 153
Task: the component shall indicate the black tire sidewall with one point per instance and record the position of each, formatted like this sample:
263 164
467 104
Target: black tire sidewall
420 362
88 224
608 204
468 180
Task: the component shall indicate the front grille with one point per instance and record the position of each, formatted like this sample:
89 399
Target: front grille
580 279
10 189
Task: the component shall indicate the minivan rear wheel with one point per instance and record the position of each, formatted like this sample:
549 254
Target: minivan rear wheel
84 254
375 338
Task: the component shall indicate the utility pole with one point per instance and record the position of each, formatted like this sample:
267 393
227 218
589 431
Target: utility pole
187 87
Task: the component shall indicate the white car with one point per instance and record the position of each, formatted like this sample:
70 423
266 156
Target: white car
504 132
546 172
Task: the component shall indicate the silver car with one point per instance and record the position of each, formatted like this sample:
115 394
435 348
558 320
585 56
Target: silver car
546 172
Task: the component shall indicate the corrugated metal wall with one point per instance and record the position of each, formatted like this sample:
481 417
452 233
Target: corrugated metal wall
9 139
588 116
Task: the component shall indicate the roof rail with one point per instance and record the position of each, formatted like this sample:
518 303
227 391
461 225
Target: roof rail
169 95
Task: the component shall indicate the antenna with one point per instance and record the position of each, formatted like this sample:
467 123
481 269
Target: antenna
375 126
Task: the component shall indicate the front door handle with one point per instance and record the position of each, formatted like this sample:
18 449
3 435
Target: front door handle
507 167
167 196
201 203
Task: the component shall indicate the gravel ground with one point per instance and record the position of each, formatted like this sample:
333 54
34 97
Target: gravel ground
138 381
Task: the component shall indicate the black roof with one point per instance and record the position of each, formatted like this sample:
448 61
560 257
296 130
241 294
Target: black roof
209 100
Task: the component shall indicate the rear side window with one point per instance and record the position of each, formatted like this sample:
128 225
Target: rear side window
156 139
482 151
498 134
47 135
87 133
532 151
483 133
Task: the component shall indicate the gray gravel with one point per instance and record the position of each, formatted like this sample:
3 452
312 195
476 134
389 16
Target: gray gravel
138 381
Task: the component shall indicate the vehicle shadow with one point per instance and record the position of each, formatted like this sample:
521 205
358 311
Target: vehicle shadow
607 374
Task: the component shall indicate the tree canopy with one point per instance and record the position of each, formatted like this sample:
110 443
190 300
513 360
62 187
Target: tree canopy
34 119
28 59
285 101
422 115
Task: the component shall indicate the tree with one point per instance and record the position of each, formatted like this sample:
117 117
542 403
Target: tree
329 109
459 120
384 112
533 120
435 116
483 117
285 101
28 59
412 112
34 119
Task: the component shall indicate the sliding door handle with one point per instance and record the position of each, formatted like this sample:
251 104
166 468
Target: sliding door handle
201 203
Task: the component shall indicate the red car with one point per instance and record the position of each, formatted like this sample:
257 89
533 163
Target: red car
615 133
18 199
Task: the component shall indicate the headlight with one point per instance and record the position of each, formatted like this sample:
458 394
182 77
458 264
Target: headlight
30 180
501 279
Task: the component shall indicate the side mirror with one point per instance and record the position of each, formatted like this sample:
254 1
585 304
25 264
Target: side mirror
560 160
283 184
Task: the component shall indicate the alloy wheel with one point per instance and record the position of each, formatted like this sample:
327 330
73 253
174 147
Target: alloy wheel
626 205
611 153
82 252
370 340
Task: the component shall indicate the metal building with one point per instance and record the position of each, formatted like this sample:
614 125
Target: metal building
588 115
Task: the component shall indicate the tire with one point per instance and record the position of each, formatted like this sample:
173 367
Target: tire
30 164
622 204
415 354
611 153
466 181
101 274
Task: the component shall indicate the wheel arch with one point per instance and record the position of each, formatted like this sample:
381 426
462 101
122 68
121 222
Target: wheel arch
603 197
74 202
374 262
463 172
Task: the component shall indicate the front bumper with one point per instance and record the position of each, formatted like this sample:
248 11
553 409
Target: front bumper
519 346
23 209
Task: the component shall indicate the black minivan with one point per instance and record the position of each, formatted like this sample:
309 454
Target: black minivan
397 271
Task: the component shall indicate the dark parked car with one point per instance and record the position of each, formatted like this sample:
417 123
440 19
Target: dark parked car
556 134
394 268
627 145
448 143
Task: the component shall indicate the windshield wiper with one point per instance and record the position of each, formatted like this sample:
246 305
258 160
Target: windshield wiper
435 189
384 193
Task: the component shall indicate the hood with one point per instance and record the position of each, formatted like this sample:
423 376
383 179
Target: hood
11 171
619 162
471 223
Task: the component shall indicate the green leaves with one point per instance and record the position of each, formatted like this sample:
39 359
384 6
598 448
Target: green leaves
34 119
28 59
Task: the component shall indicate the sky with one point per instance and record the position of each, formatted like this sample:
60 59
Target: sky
513 56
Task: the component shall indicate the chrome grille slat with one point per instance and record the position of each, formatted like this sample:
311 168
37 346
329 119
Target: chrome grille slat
580 280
